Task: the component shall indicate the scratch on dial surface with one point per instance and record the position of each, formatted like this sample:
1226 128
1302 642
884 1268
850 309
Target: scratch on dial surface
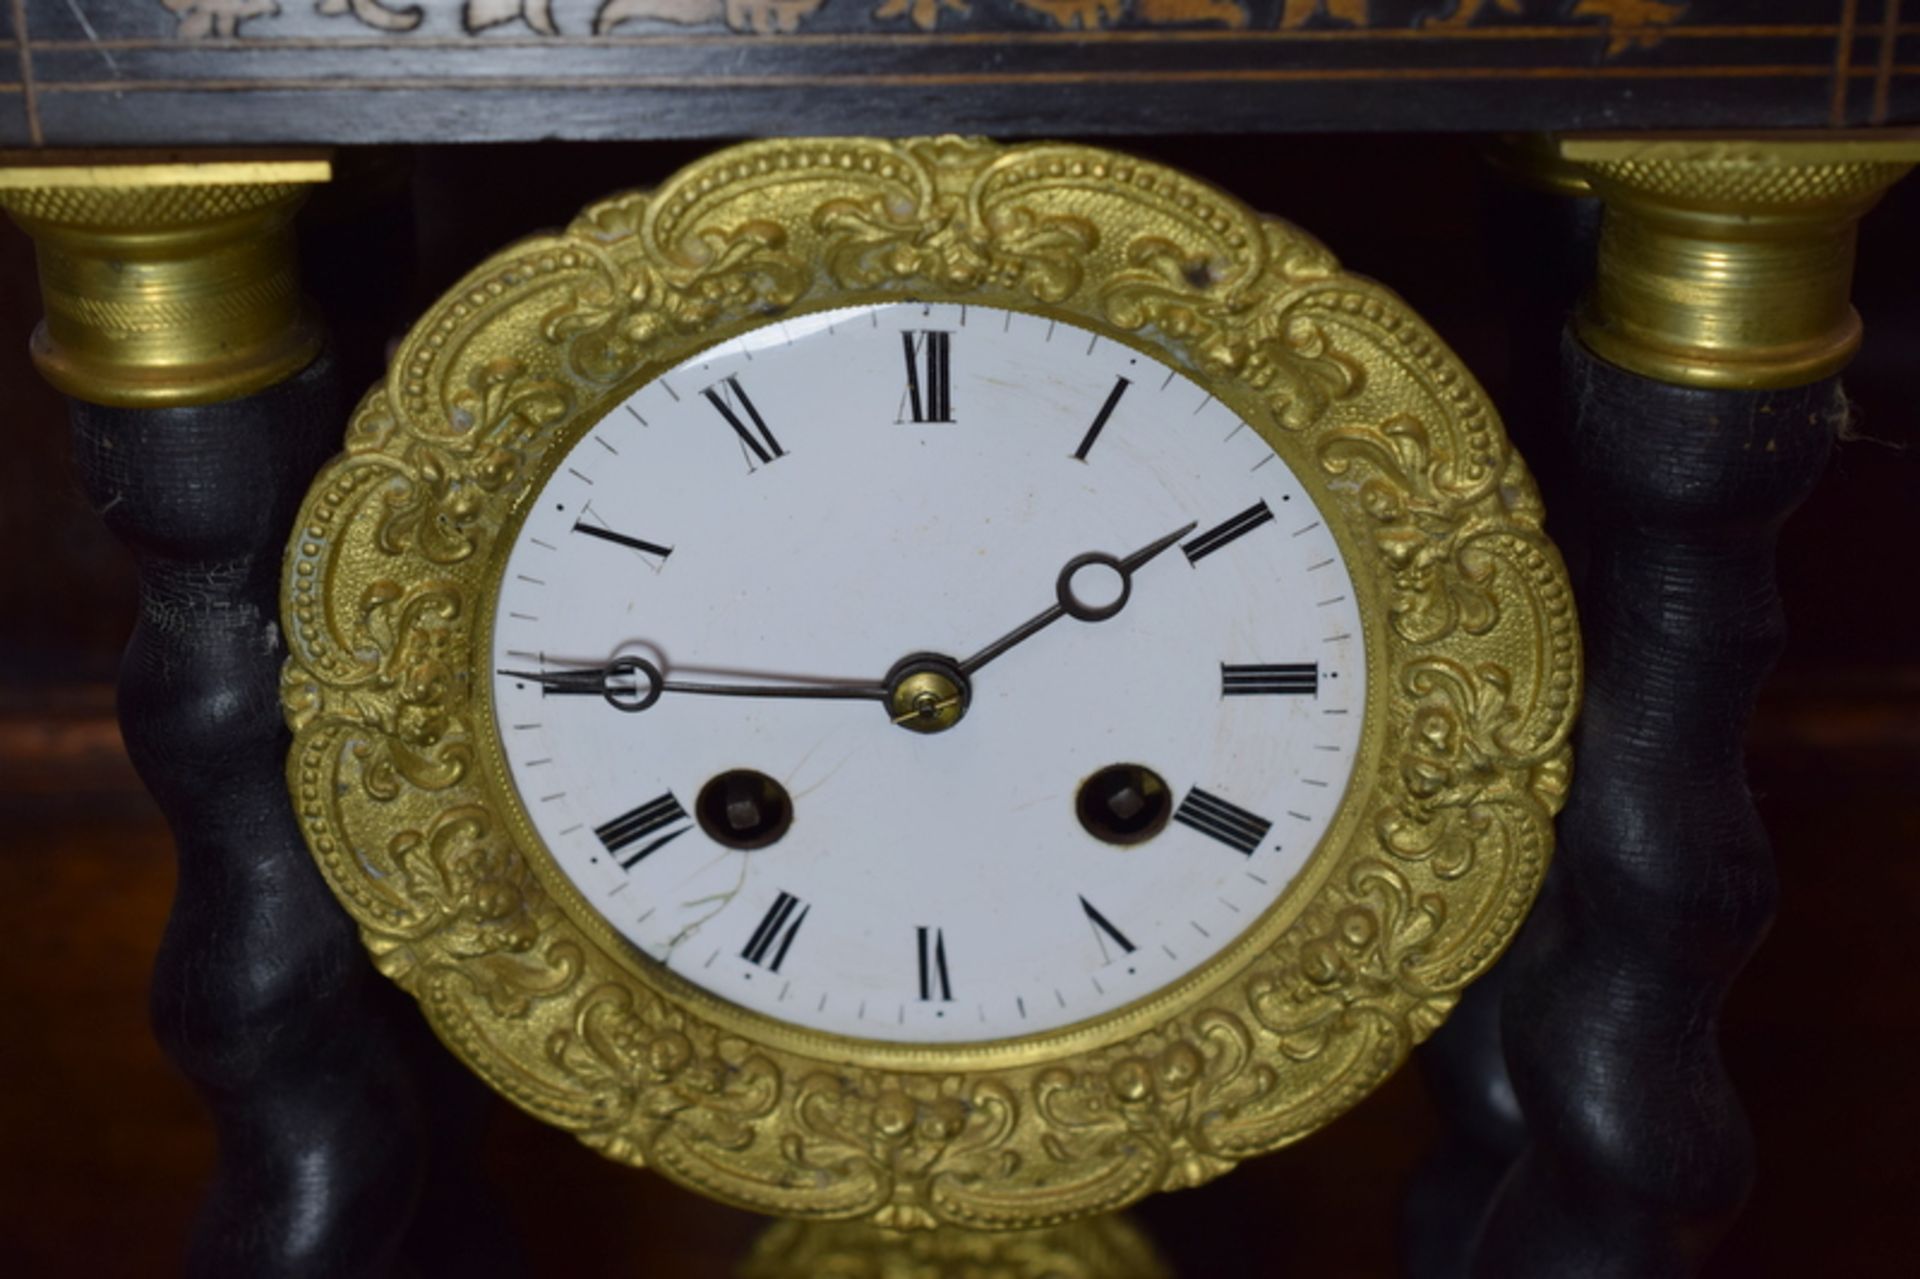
720 901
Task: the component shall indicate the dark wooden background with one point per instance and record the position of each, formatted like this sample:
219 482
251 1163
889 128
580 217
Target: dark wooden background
102 1146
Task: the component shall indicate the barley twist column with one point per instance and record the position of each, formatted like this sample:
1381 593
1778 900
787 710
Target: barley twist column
1542 226
202 403
1702 401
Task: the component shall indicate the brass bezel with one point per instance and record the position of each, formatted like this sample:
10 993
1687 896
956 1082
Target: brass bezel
1439 847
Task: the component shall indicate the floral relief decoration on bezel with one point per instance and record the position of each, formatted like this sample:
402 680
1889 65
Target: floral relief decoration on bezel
1475 672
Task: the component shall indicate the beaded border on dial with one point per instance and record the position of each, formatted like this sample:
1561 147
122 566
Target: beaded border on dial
1440 846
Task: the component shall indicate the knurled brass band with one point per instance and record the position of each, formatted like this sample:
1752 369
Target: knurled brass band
167 284
1729 262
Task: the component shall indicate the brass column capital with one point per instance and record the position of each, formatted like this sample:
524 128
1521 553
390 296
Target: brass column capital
166 281
1728 262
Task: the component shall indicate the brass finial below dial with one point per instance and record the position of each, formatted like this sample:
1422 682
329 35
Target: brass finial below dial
1103 1247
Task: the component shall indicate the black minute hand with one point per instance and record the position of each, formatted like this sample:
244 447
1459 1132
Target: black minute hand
1067 604
634 684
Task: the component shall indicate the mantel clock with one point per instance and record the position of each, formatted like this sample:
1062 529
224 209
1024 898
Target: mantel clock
928 682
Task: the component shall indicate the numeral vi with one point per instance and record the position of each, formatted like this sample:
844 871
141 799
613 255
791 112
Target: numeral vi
933 965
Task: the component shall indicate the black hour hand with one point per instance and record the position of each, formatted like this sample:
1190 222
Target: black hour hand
628 683
633 684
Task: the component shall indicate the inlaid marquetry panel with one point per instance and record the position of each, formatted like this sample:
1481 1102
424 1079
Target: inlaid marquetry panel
144 72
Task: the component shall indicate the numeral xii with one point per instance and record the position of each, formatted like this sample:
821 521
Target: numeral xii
929 355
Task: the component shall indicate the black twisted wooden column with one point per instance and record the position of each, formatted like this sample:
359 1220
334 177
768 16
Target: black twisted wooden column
1663 882
1700 412
1541 222
262 994
200 413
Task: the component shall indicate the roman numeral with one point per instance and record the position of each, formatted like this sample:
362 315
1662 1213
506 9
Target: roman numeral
1219 535
933 964
731 400
1243 681
1120 386
1101 924
622 539
655 817
1231 825
929 396
768 945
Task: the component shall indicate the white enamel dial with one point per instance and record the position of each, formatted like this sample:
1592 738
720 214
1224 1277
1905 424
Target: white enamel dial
811 504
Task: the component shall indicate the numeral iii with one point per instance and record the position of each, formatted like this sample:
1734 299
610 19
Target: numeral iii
1298 678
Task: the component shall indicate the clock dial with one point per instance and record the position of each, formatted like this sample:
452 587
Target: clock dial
849 671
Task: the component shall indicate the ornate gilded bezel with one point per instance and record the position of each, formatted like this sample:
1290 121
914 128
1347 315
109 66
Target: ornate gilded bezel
1443 838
